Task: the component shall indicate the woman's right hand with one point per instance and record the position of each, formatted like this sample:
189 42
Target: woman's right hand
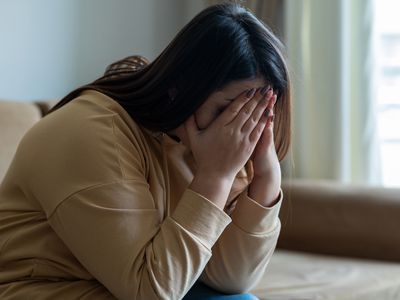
224 147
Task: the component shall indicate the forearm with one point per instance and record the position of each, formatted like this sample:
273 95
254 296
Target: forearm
146 259
264 192
238 261
215 188
245 247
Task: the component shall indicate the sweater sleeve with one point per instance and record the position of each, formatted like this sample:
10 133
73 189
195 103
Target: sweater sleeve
241 254
128 250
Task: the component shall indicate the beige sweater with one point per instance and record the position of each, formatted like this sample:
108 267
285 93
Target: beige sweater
96 207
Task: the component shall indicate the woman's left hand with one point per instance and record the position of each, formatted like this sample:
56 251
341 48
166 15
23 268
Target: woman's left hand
266 184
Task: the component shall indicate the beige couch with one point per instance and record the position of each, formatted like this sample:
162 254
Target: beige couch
337 242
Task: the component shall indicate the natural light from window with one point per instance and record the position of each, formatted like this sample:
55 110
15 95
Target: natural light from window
388 39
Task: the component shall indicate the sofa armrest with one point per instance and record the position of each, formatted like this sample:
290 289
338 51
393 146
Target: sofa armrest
332 218
16 118
45 105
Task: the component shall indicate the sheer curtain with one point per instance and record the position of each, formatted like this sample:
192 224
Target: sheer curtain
331 50
270 11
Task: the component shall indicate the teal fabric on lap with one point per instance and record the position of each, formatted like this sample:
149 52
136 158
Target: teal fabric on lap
200 291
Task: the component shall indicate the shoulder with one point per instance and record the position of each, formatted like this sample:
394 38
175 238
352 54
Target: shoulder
90 117
87 142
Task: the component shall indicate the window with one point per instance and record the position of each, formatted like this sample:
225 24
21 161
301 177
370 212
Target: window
388 66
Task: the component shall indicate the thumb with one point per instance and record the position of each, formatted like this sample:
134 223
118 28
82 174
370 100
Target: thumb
191 126
191 130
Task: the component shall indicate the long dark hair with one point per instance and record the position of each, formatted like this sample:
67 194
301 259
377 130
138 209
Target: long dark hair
221 44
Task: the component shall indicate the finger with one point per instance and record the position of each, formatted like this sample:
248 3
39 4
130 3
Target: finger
270 112
191 126
272 100
258 130
247 110
230 113
258 113
268 133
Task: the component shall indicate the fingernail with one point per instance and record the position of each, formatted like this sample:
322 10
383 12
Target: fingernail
250 93
264 90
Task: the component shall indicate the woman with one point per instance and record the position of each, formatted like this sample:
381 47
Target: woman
161 183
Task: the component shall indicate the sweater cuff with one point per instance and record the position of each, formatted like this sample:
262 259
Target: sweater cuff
200 217
253 218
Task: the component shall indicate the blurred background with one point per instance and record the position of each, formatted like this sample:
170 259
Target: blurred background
344 58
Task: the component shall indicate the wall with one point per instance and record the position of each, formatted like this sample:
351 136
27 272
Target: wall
50 47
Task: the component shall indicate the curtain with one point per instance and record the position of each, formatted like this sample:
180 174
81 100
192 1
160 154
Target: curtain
269 11
330 47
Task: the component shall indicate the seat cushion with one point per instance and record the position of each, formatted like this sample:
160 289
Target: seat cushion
15 120
296 275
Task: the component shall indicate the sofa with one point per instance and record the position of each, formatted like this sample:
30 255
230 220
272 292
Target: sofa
337 241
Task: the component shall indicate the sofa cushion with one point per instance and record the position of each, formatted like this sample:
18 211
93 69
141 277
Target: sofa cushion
296 275
15 120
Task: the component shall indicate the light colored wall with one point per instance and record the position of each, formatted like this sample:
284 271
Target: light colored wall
48 47
192 7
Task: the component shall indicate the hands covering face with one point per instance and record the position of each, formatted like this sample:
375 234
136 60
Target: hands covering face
241 131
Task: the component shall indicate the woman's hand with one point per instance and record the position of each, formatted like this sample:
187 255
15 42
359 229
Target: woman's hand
223 148
266 183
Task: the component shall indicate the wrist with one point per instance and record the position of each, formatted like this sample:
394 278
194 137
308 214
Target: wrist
264 191
213 187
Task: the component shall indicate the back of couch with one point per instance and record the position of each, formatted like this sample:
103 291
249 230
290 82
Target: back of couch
348 220
15 120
